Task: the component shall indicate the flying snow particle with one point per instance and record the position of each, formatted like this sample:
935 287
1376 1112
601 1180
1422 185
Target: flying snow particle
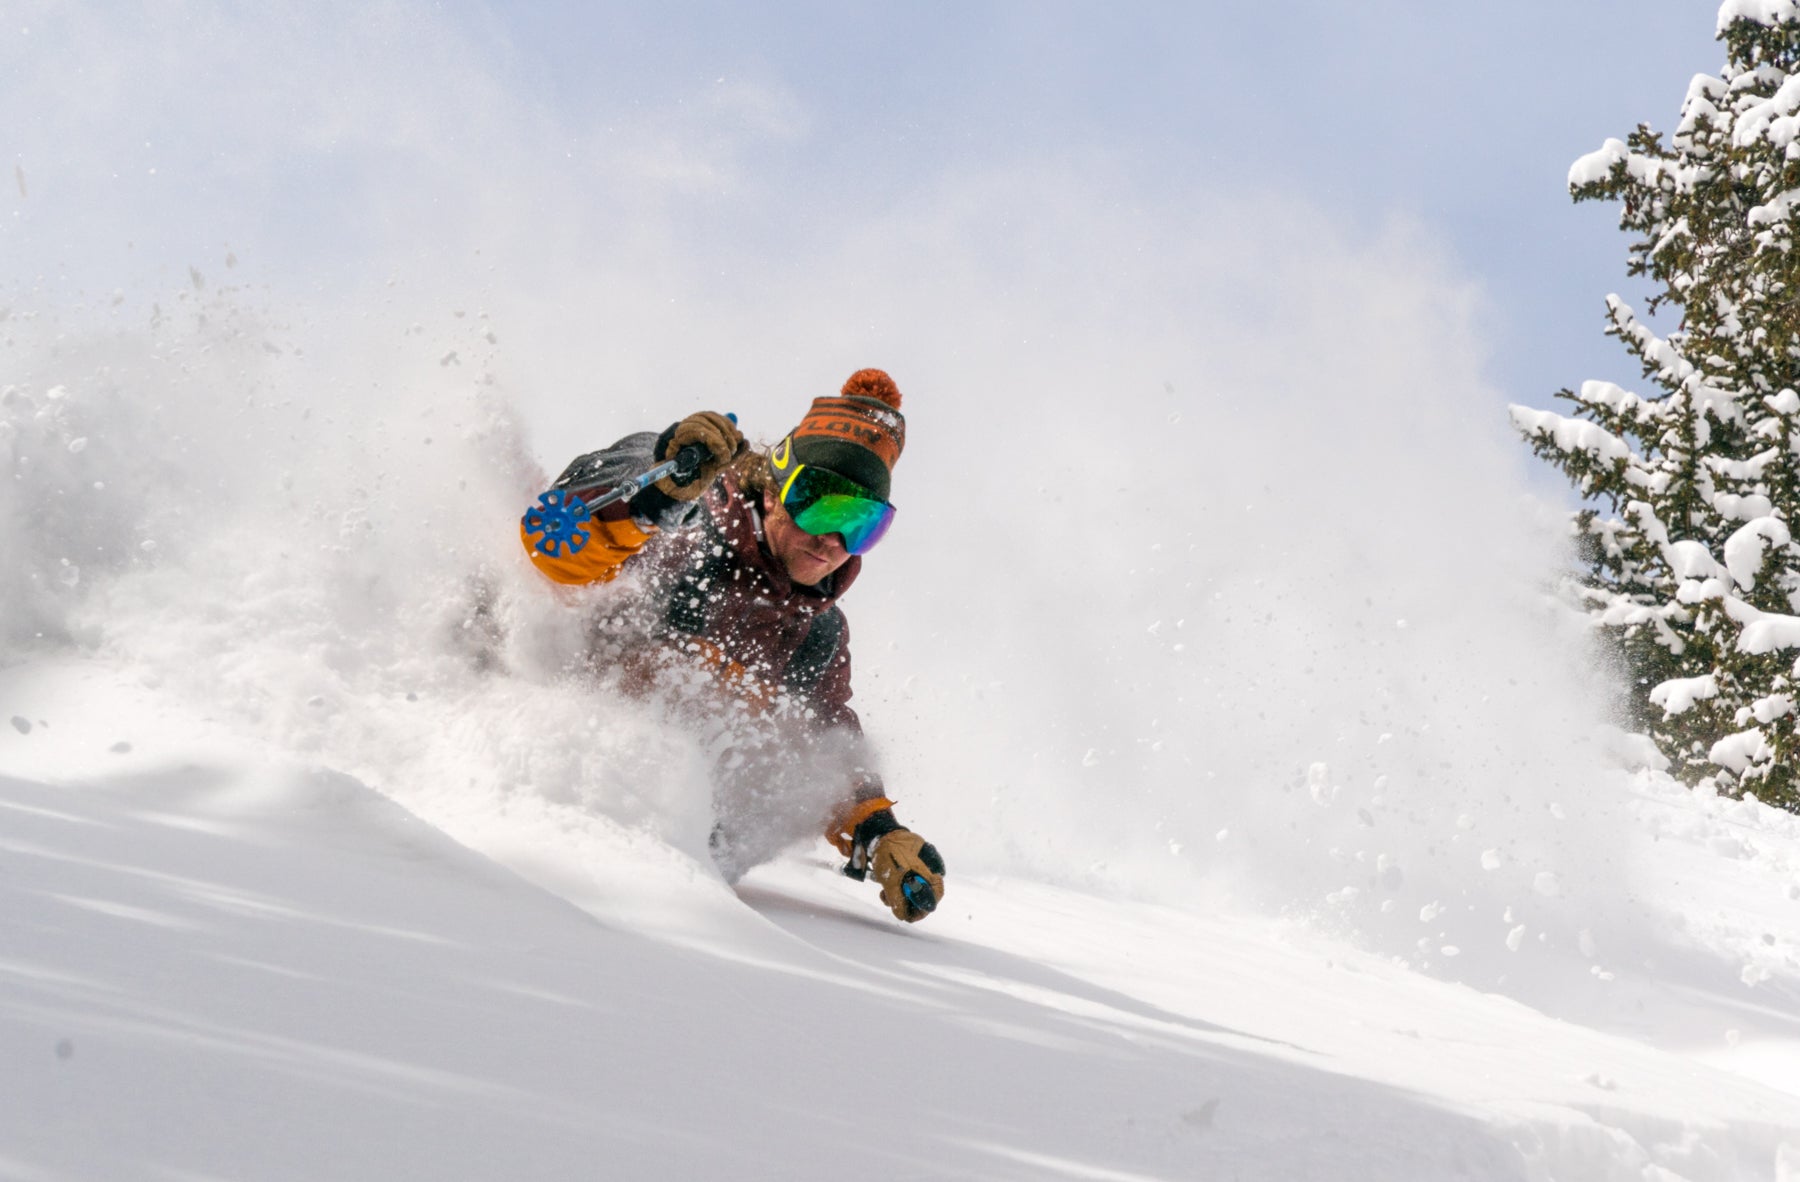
77 446
1490 859
22 725
1515 938
1547 884
1318 782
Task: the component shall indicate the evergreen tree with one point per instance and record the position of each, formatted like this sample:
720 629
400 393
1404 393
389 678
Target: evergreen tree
1691 561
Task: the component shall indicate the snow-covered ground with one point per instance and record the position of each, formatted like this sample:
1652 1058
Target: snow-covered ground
222 962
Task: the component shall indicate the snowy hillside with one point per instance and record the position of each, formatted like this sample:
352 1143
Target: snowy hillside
223 964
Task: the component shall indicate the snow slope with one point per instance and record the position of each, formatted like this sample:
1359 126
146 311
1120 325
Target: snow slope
222 963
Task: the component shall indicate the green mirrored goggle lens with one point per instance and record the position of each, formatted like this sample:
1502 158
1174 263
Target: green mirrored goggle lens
862 522
822 502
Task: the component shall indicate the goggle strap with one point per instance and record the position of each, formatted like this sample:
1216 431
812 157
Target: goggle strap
793 476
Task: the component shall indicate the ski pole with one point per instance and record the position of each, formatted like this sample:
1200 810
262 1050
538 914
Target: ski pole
561 512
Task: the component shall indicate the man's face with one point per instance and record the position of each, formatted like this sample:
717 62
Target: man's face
808 559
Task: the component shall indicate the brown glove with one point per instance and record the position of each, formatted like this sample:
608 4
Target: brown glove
715 434
910 871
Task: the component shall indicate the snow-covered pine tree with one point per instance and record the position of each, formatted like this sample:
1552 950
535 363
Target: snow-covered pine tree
1692 565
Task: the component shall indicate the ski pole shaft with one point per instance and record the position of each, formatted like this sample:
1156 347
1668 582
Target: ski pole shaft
684 465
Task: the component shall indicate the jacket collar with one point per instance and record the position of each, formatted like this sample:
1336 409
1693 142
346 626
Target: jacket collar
740 521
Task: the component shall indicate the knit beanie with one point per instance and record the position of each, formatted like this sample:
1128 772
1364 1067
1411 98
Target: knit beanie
858 434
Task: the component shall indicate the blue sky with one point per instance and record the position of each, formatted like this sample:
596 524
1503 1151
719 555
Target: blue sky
316 138
1462 116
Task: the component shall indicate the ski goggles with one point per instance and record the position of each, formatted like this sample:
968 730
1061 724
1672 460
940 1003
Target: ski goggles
822 502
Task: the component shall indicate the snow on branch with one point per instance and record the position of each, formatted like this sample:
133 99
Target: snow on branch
1749 545
1571 434
1704 94
1766 632
1779 209
1614 398
1678 695
1732 507
1772 117
1763 12
1597 165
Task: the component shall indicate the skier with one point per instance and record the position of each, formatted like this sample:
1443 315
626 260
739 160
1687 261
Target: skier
745 563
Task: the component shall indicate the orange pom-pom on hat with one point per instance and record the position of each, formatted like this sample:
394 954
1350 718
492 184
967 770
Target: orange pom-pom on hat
858 434
873 383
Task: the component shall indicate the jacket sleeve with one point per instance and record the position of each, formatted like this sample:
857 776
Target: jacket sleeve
864 797
614 534
610 543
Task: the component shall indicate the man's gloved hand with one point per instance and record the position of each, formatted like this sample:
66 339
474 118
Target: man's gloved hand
910 871
717 435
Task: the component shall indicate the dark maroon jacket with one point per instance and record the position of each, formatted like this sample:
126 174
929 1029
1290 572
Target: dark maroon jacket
716 581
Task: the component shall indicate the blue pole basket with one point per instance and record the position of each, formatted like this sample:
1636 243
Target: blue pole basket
558 517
